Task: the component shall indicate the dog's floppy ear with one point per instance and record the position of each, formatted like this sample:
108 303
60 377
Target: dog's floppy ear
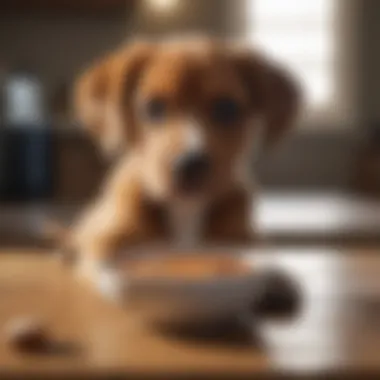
275 94
101 97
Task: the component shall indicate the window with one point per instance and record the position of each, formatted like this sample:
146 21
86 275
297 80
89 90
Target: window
301 34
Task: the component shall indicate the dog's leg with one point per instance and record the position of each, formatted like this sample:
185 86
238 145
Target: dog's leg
109 230
98 258
230 221
97 237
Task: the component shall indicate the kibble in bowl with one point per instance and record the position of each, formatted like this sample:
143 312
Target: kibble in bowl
188 287
188 267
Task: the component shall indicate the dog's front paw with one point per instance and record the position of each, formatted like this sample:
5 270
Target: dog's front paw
102 277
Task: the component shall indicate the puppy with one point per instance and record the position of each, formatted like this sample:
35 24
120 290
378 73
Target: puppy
182 117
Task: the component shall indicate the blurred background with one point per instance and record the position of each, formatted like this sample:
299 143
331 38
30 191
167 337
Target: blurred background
319 203
323 181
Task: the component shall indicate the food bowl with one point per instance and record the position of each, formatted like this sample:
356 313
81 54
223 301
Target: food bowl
180 288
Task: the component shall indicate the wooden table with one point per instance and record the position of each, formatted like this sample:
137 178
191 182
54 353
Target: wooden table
338 327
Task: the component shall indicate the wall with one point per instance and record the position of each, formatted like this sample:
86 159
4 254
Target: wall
209 17
370 57
324 158
57 47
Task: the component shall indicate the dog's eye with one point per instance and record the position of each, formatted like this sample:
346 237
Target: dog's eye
225 111
155 109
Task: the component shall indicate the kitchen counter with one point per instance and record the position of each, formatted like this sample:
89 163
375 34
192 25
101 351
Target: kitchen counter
280 218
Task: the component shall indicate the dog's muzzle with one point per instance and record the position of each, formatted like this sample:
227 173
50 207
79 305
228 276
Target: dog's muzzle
190 171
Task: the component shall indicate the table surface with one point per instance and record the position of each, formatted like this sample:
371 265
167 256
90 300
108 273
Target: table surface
338 327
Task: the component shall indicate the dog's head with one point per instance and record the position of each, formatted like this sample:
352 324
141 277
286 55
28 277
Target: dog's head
190 109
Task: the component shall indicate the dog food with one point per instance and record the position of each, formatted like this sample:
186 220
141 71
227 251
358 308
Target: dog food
189 267
27 335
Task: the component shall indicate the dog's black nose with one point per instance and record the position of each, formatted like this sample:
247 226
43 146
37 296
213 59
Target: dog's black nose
191 170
